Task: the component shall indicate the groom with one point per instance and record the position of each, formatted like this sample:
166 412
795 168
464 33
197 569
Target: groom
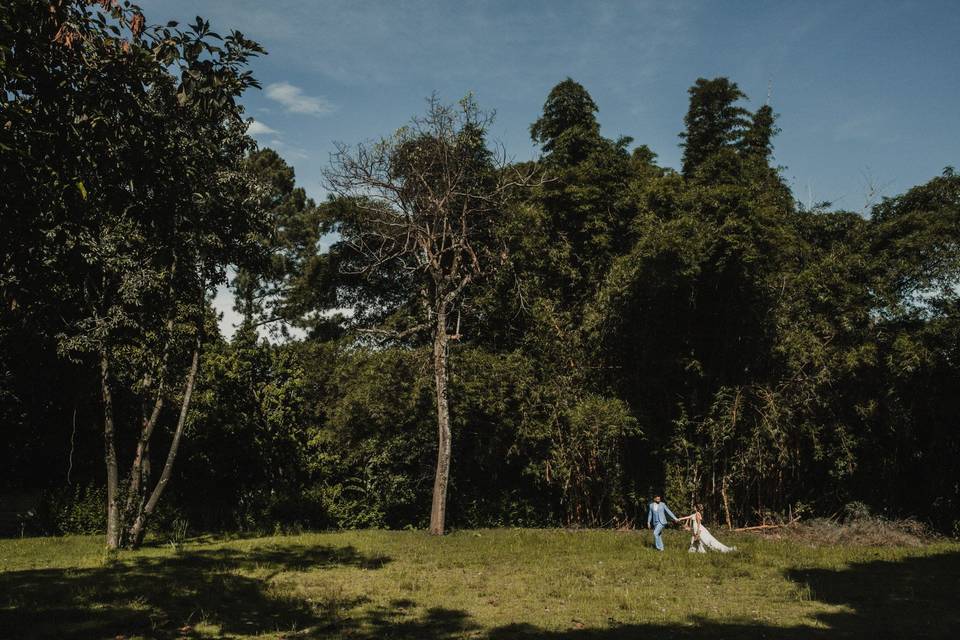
657 516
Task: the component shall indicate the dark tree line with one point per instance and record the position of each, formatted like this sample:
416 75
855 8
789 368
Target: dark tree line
487 343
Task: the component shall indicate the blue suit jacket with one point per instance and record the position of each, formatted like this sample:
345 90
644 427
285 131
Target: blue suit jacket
660 517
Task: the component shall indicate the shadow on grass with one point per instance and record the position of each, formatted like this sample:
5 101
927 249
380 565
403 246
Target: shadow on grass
155 597
163 596
911 598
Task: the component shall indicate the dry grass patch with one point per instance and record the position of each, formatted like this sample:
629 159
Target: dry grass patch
870 531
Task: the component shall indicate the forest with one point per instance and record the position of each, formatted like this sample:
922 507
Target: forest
451 339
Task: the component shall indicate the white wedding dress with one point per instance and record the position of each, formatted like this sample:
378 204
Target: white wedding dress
706 540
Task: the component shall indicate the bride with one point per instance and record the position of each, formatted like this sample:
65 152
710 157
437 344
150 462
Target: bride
702 538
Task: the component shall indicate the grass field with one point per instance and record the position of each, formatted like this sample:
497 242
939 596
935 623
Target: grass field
496 584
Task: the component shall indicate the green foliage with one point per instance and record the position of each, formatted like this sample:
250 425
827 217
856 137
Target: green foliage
586 460
568 116
715 123
757 140
373 449
78 512
621 326
288 281
248 432
123 145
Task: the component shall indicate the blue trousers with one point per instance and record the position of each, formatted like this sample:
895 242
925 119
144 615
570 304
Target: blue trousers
657 540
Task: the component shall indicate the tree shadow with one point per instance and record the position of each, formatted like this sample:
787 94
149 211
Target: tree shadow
911 598
437 623
164 596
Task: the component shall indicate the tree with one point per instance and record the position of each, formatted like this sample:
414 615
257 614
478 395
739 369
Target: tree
912 247
292 282
131 199
425 201
254 286
757 139
586 214
713 122
569 112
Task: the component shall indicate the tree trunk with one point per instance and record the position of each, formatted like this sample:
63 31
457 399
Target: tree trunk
138 471
726 502
438 511
110 455
139 527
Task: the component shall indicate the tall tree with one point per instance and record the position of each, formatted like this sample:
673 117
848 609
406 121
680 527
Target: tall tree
425 200
130 177
758 137
560 242
568 112
713 122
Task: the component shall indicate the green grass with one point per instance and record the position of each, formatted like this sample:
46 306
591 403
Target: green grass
495 584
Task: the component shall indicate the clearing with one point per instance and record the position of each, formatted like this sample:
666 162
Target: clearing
495 584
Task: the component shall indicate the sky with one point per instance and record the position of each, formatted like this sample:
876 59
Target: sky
867 92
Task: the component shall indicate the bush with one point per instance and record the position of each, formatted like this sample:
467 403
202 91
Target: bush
77 511
265 511
854 511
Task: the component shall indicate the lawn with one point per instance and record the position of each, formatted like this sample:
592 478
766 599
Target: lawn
496 584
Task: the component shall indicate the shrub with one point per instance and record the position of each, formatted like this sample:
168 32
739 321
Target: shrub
854 511
80 510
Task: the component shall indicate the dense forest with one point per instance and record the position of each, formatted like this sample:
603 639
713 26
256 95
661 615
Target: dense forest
484 342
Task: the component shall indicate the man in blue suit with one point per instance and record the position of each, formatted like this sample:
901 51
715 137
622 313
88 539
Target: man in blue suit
657 516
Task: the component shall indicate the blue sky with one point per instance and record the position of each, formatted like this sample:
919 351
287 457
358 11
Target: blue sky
867 92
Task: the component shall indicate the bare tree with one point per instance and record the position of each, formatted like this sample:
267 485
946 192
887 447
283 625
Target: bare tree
426 199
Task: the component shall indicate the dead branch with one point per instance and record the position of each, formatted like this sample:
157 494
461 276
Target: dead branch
760 527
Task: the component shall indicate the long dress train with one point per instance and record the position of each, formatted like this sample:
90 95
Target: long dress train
706 540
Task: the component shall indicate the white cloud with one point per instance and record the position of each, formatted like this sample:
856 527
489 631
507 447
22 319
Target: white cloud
288 151
295 101
257 128
261 131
